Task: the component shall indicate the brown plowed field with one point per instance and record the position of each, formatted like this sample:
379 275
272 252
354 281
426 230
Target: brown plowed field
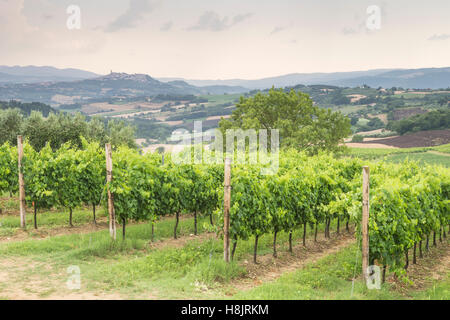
418 139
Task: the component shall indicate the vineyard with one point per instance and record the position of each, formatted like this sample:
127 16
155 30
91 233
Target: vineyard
409 204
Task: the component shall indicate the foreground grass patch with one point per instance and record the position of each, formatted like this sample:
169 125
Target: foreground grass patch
188 267
328 278
50 219
422 158
99 244
195 264
438 291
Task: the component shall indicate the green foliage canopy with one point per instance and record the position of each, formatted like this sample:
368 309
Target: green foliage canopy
301 124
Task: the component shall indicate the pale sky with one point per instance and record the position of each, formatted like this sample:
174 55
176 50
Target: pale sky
218 39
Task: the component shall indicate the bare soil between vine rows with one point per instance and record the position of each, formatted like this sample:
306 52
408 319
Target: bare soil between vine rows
269 268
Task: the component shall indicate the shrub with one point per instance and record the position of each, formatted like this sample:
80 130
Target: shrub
357 138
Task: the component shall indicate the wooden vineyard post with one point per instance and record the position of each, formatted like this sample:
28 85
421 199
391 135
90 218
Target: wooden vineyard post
21 183
226 210
112 217
365 223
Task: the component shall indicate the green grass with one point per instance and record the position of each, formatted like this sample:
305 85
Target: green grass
98 244
346 109
330 278
362 121
363 91
421 155
216 99
174 272
445 148
133 267
422 158
376 153
437 291
9 204
50 219
193 269
6 231
118 113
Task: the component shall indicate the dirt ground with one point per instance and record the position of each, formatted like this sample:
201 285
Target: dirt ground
270 268
418 139
15 271
434 265
32 279
369 145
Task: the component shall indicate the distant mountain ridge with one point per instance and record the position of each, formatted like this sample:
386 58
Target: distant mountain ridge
30 74
433 78
104 87
423 78
101 87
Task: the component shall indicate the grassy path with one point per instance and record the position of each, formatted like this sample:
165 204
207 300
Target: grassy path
331 278
192 267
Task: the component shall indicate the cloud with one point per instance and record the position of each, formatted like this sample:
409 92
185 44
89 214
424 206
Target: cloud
211 21
166 26
134 14
240 17
439 37
19 36
277 29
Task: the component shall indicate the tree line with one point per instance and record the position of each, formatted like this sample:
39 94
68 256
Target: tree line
60 128
433 120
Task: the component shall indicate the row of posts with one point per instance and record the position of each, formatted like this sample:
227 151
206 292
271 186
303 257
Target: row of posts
226 206
112 218
365 217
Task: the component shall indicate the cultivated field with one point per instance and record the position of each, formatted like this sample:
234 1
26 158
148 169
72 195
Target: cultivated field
419 139
324 261
34 264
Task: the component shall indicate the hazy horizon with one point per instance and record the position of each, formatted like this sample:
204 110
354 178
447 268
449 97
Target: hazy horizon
232 40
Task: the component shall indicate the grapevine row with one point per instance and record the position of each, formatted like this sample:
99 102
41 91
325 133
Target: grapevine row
408 203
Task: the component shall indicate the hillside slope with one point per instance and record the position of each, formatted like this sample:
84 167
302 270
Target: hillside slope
104 87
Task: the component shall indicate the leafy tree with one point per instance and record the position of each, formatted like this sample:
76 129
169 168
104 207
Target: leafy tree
119 133
354 121
36 130
66 128
302 124
436 119
96 131
27 108
357 138
60 128
10 125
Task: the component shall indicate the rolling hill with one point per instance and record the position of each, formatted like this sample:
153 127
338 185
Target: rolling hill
433 78
104 87
31 74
